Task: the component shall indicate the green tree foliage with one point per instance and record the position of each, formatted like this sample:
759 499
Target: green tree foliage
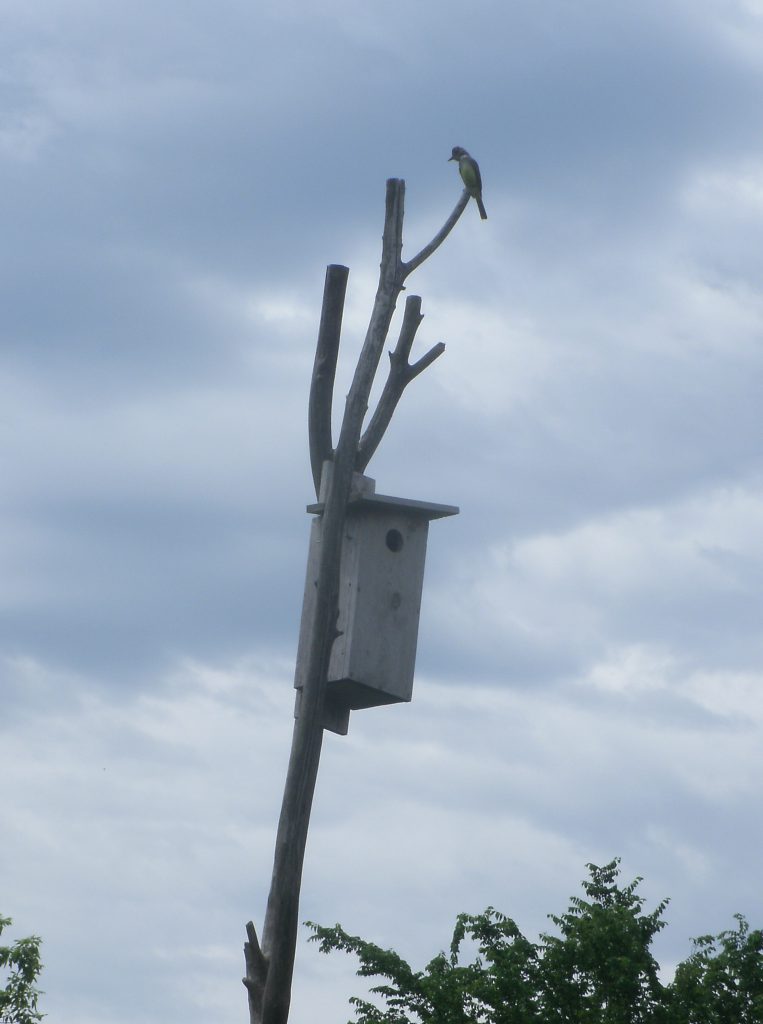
723 979
600 968
597 969
21 966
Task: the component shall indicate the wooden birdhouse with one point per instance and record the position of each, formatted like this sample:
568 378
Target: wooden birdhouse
381 579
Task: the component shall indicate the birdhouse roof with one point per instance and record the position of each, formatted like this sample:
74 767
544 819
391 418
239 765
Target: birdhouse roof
387 503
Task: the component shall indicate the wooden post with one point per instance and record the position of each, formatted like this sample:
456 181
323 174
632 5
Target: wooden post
269 966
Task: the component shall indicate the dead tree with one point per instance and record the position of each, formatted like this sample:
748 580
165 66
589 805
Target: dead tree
270 964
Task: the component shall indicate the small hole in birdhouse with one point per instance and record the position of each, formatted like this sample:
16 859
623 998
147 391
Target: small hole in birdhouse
394 540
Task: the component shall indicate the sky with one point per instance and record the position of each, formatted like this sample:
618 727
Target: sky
174 179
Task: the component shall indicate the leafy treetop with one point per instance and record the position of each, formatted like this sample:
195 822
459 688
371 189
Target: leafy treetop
21 961
598 969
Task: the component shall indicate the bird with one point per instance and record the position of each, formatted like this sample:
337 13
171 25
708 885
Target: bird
469 170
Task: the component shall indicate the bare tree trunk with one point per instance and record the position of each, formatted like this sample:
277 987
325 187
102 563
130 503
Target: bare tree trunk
269 967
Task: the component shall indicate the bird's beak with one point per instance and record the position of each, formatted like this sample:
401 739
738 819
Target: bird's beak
450 158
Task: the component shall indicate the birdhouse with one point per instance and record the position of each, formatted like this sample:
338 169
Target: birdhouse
381 580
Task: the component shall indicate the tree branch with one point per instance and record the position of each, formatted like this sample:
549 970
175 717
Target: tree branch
389 287
401 373
439 238
256 971
324 370
426 360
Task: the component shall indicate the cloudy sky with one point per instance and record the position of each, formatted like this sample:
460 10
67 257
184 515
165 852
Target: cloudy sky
174 179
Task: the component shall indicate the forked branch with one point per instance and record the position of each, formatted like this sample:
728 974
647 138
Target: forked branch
401 373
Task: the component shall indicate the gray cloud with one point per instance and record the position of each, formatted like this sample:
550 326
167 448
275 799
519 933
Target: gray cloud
173 183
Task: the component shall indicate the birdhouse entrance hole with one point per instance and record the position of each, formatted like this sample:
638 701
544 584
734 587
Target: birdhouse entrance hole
394 540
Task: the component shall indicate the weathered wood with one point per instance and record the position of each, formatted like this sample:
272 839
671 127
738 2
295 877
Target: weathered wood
324 370
269 969
256 968
401 373
381 579
439 238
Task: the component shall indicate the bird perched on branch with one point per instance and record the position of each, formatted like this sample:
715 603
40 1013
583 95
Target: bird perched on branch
469 170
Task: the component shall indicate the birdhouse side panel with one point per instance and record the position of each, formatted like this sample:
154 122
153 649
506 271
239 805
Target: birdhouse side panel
348 594
378 649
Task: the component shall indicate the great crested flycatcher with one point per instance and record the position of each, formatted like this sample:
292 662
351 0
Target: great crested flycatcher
470 175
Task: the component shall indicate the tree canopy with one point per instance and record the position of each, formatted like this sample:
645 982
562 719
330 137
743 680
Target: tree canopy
596 968
21 965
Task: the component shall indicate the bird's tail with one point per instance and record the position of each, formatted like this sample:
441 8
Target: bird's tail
481 207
